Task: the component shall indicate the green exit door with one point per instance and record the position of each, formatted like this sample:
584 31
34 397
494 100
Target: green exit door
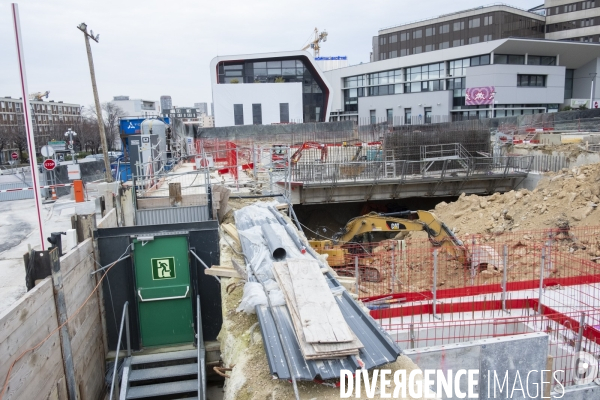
162 275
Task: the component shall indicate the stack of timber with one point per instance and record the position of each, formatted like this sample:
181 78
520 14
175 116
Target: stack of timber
318 322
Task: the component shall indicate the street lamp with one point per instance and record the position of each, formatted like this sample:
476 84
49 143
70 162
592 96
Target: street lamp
70 133
83 28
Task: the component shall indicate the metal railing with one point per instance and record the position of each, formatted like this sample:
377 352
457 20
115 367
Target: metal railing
124 323
201 353
405 171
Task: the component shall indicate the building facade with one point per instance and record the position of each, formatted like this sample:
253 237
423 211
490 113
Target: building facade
137 107
554 20
202 108
573 20
268 88
166 102
50 120
482 24
522 76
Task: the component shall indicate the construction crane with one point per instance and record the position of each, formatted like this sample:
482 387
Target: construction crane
314 44
38 96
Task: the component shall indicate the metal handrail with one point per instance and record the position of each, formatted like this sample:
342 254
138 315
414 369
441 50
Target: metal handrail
124 322
201 354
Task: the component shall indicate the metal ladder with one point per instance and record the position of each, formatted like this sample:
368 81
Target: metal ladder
390 165
176 373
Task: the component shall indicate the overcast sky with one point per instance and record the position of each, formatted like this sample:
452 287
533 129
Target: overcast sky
150 48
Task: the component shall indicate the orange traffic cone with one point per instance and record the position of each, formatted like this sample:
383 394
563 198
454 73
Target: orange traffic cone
54 197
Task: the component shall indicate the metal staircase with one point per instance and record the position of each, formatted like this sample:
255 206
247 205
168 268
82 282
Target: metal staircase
170 375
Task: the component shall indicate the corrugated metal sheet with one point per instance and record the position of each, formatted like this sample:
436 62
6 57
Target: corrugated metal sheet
21 194
172 215
379 348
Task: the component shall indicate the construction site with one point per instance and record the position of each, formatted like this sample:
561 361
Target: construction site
265 260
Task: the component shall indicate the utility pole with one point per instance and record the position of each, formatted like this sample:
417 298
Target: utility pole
83 28
593 76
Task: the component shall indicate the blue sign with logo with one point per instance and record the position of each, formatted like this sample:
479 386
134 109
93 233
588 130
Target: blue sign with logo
131 126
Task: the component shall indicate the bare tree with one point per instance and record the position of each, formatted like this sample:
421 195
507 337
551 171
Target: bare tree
111 113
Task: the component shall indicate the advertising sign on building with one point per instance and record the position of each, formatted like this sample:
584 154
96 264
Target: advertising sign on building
180 112
480 95
576 103
57 144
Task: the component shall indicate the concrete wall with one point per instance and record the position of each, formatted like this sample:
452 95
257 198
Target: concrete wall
440 102
269 95
582 82
515 354
504 79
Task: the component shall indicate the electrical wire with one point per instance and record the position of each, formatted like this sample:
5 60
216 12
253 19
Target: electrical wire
7 379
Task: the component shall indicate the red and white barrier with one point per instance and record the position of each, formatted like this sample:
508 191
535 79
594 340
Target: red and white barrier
41 187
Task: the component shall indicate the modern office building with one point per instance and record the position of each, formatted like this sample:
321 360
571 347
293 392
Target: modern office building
50 119
576 21
137 107
202 108
481 24
268 88
501 77
166 102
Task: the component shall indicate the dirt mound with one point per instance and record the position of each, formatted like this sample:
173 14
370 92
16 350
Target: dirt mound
567 198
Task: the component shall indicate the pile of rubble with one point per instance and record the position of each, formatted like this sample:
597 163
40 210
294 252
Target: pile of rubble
567 198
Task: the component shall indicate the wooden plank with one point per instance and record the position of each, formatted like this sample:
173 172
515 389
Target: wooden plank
231 230
175 194
61 311
75 256
92 379
109 220
314 350
321 318
81 324
17 316
222 271
36 372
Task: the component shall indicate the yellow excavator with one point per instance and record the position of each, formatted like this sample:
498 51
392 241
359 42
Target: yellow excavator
405 221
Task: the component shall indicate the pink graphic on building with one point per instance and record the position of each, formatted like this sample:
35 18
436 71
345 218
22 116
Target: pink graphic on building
480 95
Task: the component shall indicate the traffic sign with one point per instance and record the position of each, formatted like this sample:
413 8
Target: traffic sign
47 151
14 155
49 164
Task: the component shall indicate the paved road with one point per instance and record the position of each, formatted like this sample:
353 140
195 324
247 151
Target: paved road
18 229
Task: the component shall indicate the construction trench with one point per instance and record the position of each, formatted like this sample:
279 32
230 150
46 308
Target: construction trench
512 285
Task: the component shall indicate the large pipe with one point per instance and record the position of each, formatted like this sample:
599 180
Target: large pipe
273 242
290 231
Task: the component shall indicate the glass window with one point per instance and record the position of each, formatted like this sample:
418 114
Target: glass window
444 28
256 114
238 114
403 36
429 47
382 40
569 73
284 113
407 116
516 59
393 38
458 42
393 54
417 34
403 52
444 45
487 38
531 80
458 26
373 117
429 31
474 39
417 49
474 23
488 20
390 115
500 59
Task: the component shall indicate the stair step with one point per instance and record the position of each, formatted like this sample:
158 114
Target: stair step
162 389
160 357
163 372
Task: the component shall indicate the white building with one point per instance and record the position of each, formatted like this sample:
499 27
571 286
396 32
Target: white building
268 88
505 77
137 107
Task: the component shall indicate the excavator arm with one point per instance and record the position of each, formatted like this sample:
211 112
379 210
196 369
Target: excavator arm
405 221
